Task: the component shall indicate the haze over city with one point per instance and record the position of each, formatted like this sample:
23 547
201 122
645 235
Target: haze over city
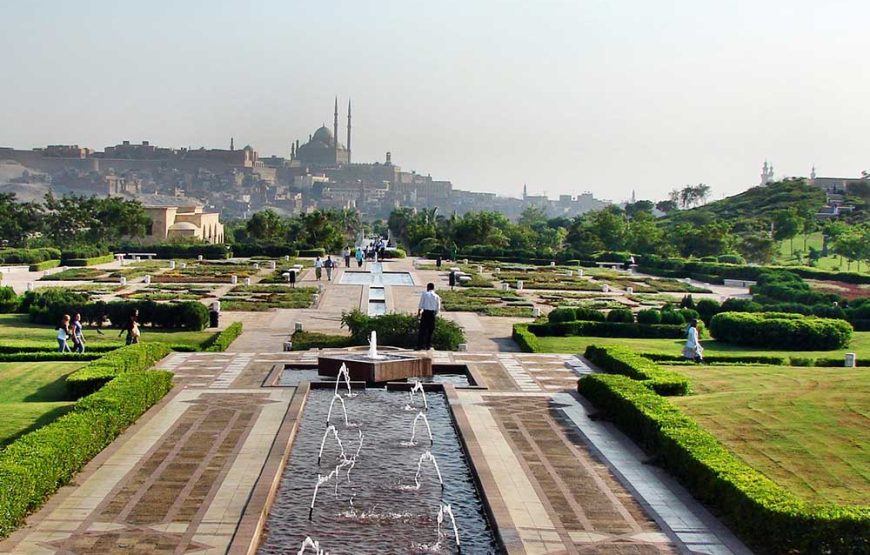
564 96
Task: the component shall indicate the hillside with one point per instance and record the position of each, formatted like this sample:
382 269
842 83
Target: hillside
758 203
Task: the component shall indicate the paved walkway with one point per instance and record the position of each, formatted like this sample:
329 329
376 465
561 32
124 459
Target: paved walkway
188 475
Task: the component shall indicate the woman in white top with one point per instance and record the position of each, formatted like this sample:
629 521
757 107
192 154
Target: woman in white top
63 335
693 349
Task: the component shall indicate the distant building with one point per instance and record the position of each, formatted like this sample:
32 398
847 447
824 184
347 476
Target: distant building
183 222
323 148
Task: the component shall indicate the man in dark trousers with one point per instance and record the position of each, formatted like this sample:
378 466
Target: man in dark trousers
430 306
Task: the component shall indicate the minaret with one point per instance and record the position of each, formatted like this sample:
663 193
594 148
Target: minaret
292 151
232 147
335 131
348 131
525 191
813 173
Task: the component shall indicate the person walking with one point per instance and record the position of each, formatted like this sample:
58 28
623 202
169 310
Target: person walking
346 254
359 257
430 306
329 265
132 329
78 337
318 268
63 332
693 350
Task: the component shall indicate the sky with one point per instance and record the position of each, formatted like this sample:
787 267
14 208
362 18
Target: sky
605 96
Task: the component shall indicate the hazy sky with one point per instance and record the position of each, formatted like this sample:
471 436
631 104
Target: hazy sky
604 96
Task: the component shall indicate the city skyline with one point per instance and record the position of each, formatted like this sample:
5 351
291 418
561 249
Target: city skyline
555 98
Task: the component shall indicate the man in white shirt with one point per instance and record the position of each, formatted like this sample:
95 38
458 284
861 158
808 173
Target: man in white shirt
430 306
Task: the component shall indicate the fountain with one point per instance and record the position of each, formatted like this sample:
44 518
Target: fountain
418 387
427 456
420 415
447 510
313 544
373 367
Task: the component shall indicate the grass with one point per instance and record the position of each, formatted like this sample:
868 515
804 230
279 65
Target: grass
860 345
815 240
806 428
32 394
17 330
486 301
75 274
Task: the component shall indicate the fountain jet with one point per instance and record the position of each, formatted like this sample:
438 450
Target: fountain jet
427 456
418 386
420 415
323 441
313 544
343 409
446 510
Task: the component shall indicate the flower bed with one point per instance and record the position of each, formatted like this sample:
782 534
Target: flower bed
266 297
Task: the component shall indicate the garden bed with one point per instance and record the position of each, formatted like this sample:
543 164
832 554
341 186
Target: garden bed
486 301
266 297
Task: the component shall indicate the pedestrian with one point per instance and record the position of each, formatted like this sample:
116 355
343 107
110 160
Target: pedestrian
430 306
693 350
359 257
78 337
329 265
132 329
291 277
318 268
63 331
438 262
346 254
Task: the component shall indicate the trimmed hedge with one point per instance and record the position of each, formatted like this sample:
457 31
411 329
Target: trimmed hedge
618 360
46 356
130 358
304 340
311 253
9 301
84 251
401 330
270 250
608 329
526 340
93 261
679 268
35 465
191 315
226 337
179 250
623 315
777 330
767 516
44 265
713 359
28 256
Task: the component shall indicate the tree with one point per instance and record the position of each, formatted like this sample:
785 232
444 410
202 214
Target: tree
18 220
266 225
610 226
639 207
666 206
786 224
644 236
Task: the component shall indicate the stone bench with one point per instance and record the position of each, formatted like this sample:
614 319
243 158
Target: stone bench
148 255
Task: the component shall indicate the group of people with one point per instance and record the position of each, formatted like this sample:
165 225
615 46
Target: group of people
71 339
70 331
360 254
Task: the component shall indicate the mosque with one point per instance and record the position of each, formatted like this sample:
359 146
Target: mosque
323 148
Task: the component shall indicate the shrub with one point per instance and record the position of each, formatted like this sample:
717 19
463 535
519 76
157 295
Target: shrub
393 253
83 251
131 358
781 331
649 316
562 314
689 314
45 356
400 330
768 517
35 465
740 305
589 314
721 359
731 259
618 360
8 300
42 266
707 308
687 302
672 318
226 337
526 340
179 250
273 250
623 315
304 340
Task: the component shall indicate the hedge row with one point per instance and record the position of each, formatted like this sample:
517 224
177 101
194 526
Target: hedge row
226 337
84 251
678 267
304 340
37 464
191 315
767 516
44 348
127 359
401 330
311 253
775 330
608 329
758 359
179 250
526 340
270 250
28 256
46 356
44 265
618 360
93 261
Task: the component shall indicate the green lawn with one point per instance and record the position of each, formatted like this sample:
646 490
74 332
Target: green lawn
806 428
785 256
16 330
860 345
32 394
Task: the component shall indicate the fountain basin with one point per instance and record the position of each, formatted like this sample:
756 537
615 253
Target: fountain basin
385 368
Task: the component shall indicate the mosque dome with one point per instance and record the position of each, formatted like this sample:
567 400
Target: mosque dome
183 226
323 135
